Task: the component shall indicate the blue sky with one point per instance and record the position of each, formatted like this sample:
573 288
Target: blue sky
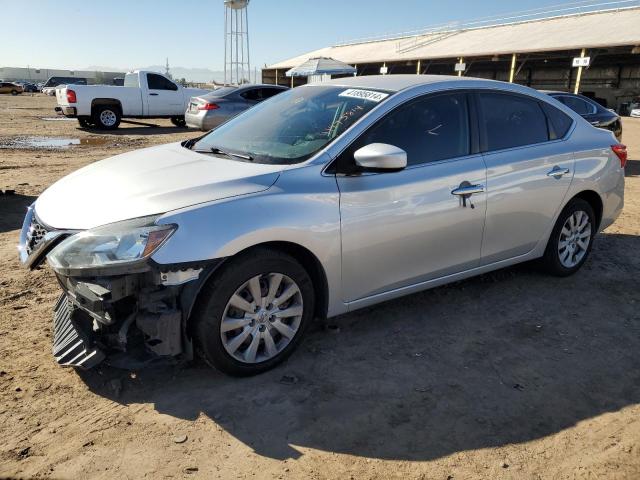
136 33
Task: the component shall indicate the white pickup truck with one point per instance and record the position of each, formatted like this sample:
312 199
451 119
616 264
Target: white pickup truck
144 95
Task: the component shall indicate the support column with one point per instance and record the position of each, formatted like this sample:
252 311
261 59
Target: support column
418 68
291 81
579 76
512 72
276 76
460 62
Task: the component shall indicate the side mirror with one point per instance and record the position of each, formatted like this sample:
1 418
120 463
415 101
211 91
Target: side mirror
381 156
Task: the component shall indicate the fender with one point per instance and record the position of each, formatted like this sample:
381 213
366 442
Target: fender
297 209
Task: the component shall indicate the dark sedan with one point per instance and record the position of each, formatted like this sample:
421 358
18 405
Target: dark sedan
592 111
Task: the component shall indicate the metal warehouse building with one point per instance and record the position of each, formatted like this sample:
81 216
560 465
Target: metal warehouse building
10 74
534 52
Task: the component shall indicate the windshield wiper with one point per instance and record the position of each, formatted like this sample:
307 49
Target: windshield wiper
219 151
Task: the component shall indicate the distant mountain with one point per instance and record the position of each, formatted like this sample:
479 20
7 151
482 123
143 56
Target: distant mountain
190 74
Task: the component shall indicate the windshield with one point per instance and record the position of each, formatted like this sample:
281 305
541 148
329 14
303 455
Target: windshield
292 126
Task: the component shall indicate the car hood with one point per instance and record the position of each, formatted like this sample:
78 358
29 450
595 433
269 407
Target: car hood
146 182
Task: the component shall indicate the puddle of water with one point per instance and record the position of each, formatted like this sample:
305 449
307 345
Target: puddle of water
50 142
58 119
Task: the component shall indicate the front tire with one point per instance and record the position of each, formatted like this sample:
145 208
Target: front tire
571 239
107 117
14 92
179 122
253 313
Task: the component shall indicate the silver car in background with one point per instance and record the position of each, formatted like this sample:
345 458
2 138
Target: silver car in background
209 111
321 200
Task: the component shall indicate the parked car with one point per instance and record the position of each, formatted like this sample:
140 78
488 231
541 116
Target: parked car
10 87
634 109
30 87
321 200
56 81
592 111
210 110
144 95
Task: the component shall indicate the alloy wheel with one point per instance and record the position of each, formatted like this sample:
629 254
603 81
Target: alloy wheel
261 318
574 239
108 118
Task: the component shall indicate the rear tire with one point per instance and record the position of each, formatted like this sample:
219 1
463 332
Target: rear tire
179 122
106 117
571 239
268 329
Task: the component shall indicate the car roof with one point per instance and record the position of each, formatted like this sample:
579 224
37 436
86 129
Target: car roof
395 83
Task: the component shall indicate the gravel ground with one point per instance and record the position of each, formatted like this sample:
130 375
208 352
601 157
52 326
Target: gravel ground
511 375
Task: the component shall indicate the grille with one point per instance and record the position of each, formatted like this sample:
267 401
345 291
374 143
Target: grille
71 345
35 234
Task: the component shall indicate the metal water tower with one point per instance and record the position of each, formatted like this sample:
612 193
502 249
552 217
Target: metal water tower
237 68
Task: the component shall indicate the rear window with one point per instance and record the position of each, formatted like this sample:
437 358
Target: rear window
220 92
131 80
511 121
578 105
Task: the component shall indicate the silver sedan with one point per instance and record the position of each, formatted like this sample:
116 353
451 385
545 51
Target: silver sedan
209 111
322 200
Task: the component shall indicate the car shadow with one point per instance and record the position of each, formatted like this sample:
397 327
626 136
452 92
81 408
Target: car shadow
13 208
503 358
142 129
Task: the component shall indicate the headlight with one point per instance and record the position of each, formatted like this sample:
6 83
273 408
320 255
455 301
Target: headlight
118 244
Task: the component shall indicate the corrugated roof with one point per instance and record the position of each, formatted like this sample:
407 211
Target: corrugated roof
589 30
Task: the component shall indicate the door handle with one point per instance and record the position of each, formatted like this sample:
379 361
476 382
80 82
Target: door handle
468 190
153 94
557 172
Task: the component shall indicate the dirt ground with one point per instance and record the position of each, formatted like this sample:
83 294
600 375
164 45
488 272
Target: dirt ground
512 375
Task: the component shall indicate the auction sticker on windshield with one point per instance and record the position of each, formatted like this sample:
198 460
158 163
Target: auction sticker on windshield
370 95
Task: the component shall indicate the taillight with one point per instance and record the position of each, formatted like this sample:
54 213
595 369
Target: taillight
621 151
208 106
71 96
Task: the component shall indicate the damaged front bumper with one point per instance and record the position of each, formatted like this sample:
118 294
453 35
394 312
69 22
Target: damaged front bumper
130 318
127 320
126 317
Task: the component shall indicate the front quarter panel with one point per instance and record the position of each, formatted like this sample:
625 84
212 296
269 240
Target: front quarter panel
302 208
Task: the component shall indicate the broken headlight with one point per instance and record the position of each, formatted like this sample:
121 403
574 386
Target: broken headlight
116 245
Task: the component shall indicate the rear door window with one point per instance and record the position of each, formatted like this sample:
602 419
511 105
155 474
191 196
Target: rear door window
509 120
